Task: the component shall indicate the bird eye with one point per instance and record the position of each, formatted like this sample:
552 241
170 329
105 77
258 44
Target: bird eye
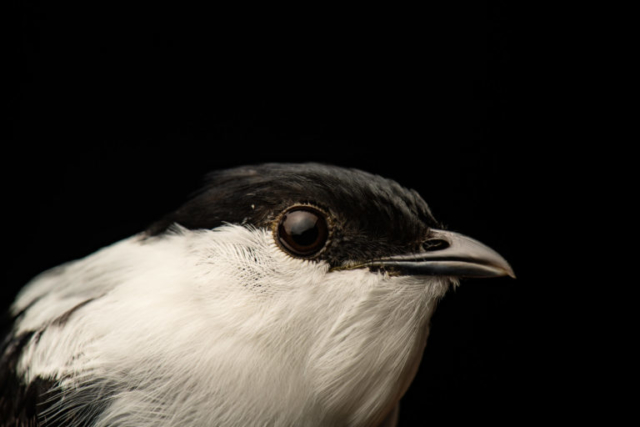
303 231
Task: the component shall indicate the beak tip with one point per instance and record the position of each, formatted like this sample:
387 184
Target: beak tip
505 270
508 270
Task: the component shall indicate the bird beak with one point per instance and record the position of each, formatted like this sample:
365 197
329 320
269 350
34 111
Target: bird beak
446 253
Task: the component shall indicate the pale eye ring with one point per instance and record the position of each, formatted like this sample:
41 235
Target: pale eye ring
302 231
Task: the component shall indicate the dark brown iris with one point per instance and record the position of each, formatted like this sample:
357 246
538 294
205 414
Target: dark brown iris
303 231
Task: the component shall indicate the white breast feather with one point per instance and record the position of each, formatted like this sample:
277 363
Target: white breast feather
223 328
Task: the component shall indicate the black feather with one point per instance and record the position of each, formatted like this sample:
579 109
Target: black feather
42 401
20 403
373 216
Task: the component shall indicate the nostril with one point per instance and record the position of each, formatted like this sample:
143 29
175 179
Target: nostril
432 245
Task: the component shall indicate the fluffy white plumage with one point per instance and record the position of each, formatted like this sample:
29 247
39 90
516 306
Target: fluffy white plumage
222 327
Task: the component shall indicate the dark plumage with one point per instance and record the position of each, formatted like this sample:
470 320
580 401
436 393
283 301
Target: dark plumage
373 216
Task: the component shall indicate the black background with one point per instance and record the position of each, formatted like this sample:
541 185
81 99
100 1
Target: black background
119 111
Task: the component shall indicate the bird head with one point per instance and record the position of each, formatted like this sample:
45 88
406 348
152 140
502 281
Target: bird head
343 219
326 272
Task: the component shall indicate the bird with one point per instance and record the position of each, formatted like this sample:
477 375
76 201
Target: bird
278 294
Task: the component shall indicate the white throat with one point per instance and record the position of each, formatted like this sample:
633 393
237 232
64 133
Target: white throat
289 339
